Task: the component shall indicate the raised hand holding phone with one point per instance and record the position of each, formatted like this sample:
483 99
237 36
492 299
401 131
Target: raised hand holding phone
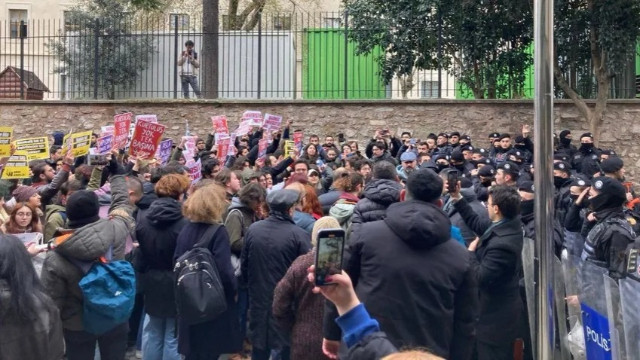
329 253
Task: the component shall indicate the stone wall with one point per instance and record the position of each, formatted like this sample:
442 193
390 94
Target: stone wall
357 120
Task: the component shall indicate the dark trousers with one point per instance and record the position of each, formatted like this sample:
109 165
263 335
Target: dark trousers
81 345
202 356
260 354
494 352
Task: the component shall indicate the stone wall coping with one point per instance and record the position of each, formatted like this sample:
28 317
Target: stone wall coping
528 102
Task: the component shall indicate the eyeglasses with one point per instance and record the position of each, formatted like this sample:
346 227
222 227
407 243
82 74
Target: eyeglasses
23 214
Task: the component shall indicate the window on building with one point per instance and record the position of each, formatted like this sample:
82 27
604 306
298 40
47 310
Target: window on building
332 22
282 22
183 21
428 89
15 17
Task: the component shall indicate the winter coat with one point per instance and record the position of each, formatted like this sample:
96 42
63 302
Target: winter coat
410 255
60 277
386 156
299 311
458 221
270 247
376 198
222 335
53 221
237 224
39 338
497 264
157 232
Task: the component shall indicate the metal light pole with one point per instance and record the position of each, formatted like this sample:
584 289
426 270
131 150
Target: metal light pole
543 126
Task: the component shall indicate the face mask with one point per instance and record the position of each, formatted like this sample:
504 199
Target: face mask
586 147
558 181
565 141
441 167
520 147
486 182
574 198
598 202
526 207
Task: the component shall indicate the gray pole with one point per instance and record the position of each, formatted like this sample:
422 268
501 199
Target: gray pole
543 130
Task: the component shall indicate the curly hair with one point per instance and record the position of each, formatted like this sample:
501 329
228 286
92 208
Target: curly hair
206 205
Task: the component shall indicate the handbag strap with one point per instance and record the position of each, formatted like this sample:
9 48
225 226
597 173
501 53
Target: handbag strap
205 239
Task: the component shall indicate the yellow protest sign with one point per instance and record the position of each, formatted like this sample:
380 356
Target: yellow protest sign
6 133
35 148
289 146
80 143
17 167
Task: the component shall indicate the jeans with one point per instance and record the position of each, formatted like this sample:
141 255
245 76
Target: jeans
189 79
275 354
81 345
159 341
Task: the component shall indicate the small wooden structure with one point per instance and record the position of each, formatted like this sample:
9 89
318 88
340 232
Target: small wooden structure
10 83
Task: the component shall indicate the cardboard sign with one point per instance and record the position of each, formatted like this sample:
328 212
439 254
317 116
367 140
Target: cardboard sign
6 133
35 148
17 167
262 148
298 137
145 140
97 159
254 117
80 143
220 124
164 151
289 147
189 151
107 130
104 144
149 118
122 123
243 128
223 148
272 123
195 170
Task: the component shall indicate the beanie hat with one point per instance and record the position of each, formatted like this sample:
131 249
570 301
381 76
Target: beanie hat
83 207
58 137
24 193
612 164
326 222
611 193
589 135
564 133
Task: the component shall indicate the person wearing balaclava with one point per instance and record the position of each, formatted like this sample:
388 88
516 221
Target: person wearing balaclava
459 163
610 233
575 219
564 146
522 149
585 161
485 180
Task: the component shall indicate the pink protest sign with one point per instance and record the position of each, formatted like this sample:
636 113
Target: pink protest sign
122 123
254 117
223 148
220 124
262 148
272 122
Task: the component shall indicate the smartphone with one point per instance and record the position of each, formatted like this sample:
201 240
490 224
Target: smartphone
329 254
452 180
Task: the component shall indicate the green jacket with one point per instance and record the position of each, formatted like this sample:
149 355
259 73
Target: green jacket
53 221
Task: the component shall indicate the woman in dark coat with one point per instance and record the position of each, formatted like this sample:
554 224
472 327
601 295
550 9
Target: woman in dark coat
209 340
157 232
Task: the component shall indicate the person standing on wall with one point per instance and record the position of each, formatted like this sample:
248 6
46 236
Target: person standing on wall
189 65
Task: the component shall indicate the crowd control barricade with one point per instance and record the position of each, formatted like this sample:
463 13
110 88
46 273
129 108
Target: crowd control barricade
593 304
528 268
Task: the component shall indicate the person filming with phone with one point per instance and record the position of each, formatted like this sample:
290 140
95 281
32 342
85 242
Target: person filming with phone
189 66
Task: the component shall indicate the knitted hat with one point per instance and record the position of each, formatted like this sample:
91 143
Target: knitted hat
612 164
24 193
83 207
327 222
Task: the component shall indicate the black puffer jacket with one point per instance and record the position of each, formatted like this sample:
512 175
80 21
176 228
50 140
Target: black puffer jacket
157 232
411 255
377 197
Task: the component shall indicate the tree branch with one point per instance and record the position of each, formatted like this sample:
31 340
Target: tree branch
573 95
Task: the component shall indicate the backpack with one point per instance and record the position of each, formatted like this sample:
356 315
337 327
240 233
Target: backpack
199 292
109 291
235 260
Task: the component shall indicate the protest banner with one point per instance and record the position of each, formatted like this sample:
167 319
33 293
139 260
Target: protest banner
262 148
107 130
104 144
272 123
232 151
164 151
17 167
254 118
298 137
80 143
243 128
289 147
195 170
145 140
35 148
223 147
94 158
122 123
149 118
190 150
6 133
220 124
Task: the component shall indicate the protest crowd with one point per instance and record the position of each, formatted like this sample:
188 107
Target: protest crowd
122 243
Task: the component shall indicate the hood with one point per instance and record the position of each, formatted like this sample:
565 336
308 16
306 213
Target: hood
236 204
50 209
382 191
90 241
146 200
342 211
419 224
164 212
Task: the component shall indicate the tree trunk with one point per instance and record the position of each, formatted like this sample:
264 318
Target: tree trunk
209 62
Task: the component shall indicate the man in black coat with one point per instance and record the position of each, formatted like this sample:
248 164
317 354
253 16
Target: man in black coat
497 264
271 245
412 276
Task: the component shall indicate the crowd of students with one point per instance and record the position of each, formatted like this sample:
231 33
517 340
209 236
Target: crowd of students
434 228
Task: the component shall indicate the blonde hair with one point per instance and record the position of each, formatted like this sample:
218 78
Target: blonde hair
206 205
412 355
326 222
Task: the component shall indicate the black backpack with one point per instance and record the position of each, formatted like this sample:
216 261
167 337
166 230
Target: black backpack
199 292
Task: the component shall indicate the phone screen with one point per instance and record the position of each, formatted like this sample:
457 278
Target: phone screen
329 254
452 180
